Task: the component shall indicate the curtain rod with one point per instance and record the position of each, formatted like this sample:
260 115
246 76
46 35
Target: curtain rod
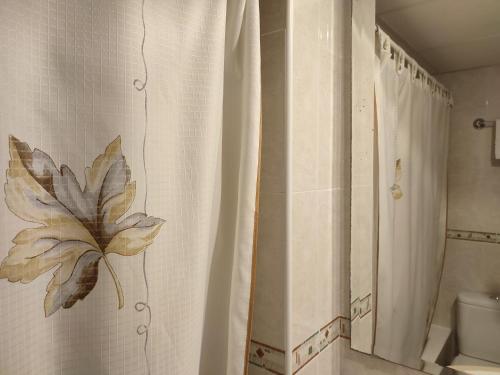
410 61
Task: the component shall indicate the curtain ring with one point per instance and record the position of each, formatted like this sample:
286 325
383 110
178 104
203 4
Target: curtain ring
386 46
413 72
400 63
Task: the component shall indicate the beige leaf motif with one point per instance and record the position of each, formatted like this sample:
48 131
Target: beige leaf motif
78 227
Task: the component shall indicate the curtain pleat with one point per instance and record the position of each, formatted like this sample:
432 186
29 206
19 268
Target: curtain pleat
413 120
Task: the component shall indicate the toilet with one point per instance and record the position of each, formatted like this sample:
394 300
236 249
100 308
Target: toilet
478 330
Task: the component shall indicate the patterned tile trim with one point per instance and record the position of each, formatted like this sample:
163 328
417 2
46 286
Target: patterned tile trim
361 307
310 348
468 235
273 359
267 357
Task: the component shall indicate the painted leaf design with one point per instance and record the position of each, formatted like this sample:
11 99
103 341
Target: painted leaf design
79 227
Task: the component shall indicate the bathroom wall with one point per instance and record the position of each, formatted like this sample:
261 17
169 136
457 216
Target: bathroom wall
320 190
320 198
320 181
473 191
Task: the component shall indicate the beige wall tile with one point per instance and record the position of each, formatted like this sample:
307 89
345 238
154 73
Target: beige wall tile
468 87
321 171
256 370
305 123
321 81
272 15
321 168
473 199
473 189
307 112
328 166
474 175
268 326
331 244
359 327
305 254
321 95
329 359
310 369
469 266
273 128
326 293
305 134
363 42
318 239
363 240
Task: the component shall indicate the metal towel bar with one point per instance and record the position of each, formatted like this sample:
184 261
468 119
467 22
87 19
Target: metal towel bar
481 123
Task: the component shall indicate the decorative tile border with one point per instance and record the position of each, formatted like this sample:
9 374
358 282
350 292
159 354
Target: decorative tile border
273 359
267 357
310 348
467 235
361 306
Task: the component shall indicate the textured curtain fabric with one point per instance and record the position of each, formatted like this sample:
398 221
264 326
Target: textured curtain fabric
412 112
129 147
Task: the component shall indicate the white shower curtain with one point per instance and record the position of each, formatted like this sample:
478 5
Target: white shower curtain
412 113
129 148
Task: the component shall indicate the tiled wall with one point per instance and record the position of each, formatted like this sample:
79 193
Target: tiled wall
363 209
268 317
320 191
472 260
321 170
304 355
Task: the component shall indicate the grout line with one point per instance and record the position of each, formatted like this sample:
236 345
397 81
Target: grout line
273 192
304 191
268 346
319 190
272 32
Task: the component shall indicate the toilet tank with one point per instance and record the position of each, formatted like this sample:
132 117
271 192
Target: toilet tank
478 326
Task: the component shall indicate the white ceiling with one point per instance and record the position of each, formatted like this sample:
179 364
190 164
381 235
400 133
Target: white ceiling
445 35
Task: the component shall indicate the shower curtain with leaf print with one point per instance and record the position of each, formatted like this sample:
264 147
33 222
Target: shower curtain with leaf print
412 112
129 148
